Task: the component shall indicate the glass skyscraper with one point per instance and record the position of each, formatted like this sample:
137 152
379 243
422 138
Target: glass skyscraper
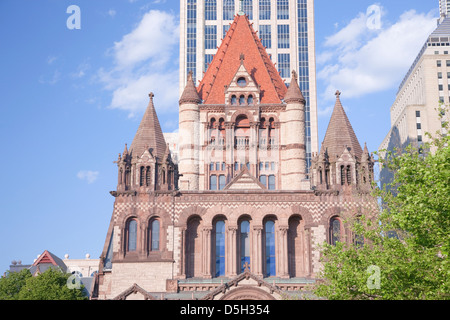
286 28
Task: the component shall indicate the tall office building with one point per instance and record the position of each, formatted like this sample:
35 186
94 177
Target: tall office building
444 7
426 84
286 29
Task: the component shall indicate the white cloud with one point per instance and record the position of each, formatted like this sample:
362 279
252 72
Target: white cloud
51 59
358 60
81 70
112 13
52 80
89 176
145 60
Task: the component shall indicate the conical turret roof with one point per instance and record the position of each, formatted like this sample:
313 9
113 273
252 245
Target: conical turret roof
149 134
340 134
190 94
294 94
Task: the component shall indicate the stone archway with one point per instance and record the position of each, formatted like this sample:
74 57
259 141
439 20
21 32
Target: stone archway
247 293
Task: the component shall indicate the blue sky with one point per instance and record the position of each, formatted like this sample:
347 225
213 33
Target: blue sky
71 99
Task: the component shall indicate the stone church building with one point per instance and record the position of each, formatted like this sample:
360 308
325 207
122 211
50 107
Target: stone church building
239 216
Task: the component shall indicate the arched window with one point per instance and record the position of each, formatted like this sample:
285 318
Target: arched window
154 235
242 131
342 176
269 233
220 247
148 177
244 243
335 230
250 100
349 176
142 177
242 100
242 82
358 239
233 99
131 235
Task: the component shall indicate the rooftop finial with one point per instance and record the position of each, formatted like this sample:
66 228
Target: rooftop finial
294 75
338 93
151 95
242 58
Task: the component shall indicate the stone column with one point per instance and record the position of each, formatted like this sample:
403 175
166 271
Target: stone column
230 258
182 267
283 252
256 258
206 252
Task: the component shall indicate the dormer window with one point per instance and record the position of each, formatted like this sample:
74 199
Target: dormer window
250 100
241 82
242 100
233 99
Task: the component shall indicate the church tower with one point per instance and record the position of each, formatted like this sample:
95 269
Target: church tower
242 115
238 218
341 163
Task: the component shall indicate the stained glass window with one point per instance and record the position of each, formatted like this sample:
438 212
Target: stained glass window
335 231
155 235
132 235
220 248
269 229
244 243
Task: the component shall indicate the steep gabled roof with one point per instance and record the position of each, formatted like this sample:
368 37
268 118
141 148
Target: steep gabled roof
241 39
149 134
244 180
340 134
47 260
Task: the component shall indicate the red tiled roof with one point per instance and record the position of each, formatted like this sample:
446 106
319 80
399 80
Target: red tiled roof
241 38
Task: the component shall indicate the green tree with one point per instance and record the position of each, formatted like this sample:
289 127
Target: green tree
50 285
406 247
11 284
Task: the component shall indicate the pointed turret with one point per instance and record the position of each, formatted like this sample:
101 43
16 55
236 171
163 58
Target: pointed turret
293 93
344 166
149 134
340 134
190 94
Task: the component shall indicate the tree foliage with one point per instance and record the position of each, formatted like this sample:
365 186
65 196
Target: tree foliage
408 241
11 284
49 285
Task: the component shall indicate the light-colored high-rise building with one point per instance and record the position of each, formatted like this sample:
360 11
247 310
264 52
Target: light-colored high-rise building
444 7
425 86
286 29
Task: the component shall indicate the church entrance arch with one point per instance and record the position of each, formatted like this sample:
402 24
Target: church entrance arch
247 293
